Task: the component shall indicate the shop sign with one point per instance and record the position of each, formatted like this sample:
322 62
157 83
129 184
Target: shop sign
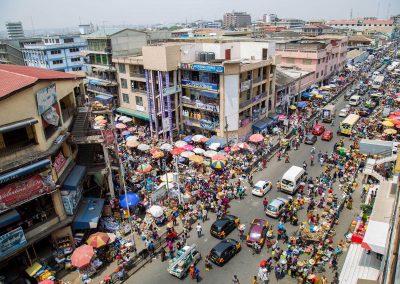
46 98
208 107
17 192
59 162
12 241
207 124
108 136
171 90
244 86
200 85
203 67
139 108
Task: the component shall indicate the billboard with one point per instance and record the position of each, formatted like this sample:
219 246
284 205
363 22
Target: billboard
12 241
200 85
203 67
46 98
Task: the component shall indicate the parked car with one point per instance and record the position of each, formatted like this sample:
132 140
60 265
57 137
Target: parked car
257 231
275 208
318 129
348 95
327 135
310 139
344 112
224 226
224 251
261 188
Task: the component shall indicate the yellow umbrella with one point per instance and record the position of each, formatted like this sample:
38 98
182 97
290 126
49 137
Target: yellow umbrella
99 117
319 96
292 107
390 131
158 155
387 124
196 159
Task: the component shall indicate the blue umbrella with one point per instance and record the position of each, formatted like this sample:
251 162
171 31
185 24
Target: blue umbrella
181 160
188 138
133 199
301 104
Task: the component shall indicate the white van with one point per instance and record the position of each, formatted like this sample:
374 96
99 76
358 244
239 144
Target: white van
355 100
293 179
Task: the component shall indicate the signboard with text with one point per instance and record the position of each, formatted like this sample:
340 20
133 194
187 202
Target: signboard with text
12 241
46 98
203 67
59 162
171 90
200 85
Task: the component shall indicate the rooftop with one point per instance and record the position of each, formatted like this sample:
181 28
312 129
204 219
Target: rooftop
107 32
15 77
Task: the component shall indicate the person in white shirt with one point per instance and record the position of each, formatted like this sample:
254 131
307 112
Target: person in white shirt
199 229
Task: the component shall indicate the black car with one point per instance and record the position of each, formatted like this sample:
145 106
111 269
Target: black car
224 251
222 227
310 139
364 111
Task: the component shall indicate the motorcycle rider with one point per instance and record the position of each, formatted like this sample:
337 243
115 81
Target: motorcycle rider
305 165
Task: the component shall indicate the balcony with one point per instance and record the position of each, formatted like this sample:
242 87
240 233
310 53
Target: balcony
103 80
253 100
137 74
257 80
99 90
200 85
13 149
202 123
200 105
137 90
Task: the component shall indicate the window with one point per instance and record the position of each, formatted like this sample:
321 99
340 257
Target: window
68 40
125 98
319 61
57 41
76 59
73 49
124 83
121 68
139 101
322 72
317 75
55 62
53 52
77 68
290 60
46 41
307 61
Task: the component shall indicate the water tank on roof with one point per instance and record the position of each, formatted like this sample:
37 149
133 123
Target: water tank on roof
202 56
210 56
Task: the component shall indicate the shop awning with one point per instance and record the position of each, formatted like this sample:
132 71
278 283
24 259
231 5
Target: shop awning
134 113
262 124
9 218
23 171
211 95
274 116
17 125
376 236
74 178
88 214
216 139
104 97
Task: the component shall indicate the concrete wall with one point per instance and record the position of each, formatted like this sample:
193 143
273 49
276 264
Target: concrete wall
128 42
231 99
161 58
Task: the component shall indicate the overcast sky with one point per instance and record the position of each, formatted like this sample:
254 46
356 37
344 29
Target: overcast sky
43 14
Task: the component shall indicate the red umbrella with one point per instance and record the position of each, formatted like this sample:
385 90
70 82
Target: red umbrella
47 281
82 256
227 149
395 113
235 148
219 157
256 138
263 263
177 151
397 126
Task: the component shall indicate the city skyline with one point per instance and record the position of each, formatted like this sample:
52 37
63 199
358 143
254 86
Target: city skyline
176 11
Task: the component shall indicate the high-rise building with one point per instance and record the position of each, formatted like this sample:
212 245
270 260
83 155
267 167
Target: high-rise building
10 53
237 20
15 30
270 18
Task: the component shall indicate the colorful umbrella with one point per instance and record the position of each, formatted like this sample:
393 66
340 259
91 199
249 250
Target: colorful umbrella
210 153
156 211
256 138
187 154
227 149
132 137
82 256
390 131
125 133
218 164
243 146
398 126
133 199
214 146
132 143
204 140
188 147
199 151
196 159
47 281
158 155
166 147
98 240
120 126
143 147
319 96
235 148
281 117
180 143
177 151
112 237
219 157
99 117
144 168
293 107
103 121
198 137
387 123
188 138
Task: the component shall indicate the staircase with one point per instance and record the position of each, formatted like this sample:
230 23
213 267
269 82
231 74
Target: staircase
371 163
81 122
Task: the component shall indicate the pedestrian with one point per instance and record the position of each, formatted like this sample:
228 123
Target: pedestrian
254 281
199 230
235 280
265 203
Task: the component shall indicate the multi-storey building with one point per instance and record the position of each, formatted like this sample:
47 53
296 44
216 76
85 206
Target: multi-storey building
290 23
270 18
316 29
10 53
184 86
324 54
15 30
237 20
363 24
60 53
39 182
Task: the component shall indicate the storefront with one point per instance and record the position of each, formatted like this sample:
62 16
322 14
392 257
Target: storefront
72 190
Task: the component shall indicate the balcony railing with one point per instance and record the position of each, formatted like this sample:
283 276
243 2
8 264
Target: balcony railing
257 80
98 89
254 99
136 90
137 74
13 149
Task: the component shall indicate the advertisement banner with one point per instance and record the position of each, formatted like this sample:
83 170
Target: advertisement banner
46 98
203 67
27 189
12 241
200 85
59 162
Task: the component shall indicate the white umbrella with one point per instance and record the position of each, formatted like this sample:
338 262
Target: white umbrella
214 146
187 154
199 151
143 147
210 153
156 211
198 137
126 119
133 137
180 143
166 147
122 117
167 176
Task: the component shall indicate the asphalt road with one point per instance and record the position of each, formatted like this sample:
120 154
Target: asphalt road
245 264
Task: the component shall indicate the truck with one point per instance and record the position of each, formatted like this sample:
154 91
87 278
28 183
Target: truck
180 264
328 113
377 83
378 147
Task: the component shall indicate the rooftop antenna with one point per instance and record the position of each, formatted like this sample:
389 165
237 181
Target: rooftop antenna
351 14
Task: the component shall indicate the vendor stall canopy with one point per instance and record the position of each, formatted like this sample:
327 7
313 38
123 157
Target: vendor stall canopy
216 139
88 214
74 178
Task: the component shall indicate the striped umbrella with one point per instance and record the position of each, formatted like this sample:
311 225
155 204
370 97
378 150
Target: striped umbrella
218 164
98 240
144 168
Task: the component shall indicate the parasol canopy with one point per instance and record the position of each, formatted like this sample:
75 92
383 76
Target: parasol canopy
133 199
227 149
219 157
158 154
218 164
390 131
177 151
120 126
132 137
243 146
301 104
82 256
187 154
99 117
132 143
188 147
256 138
199 151
166 147
210 153
235 148
293 107
144 168
47 281
180 143
125 133
214 146
98 240
143 147
196 159
167 176
197 138
387 123
188 138
156 211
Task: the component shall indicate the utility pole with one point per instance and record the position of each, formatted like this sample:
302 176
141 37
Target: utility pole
226 129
